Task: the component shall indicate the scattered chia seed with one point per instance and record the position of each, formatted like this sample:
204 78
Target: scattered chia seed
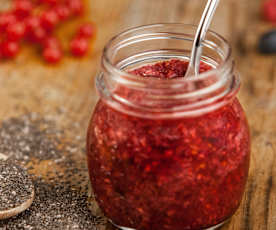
22 139
16 186
55 207
57 164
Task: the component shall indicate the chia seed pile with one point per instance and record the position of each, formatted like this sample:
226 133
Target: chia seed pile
15 186
57 165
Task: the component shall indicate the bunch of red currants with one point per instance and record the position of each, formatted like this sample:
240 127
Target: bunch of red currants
35 22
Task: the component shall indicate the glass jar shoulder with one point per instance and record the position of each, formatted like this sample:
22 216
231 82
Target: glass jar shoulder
220 125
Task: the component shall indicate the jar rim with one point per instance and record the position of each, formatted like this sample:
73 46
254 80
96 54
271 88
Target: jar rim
107 63
189 96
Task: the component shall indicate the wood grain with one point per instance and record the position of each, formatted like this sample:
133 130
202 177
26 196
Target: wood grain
29 84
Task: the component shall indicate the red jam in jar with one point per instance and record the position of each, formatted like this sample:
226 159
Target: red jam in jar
154 164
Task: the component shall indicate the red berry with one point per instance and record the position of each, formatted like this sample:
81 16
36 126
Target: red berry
6 19
10 49
52 55
63 12
76 6
86 30
32 23
51 42
22 8
79 46
38 35
16 31
49 20
50 2
269 10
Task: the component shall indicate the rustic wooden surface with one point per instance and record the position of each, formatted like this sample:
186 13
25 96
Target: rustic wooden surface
27 84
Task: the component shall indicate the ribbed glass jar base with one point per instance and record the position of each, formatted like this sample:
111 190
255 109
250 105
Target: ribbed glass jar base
210 228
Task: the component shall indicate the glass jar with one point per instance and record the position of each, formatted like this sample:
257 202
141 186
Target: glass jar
167 154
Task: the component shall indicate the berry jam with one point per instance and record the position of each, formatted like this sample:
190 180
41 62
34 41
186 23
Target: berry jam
168 174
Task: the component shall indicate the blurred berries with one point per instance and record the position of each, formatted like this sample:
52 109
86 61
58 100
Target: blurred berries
51 2
6 19
23 8
63 12
31 23
25 22
16 31
269 10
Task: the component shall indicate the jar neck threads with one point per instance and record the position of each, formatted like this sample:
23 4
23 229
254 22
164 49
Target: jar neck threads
165 98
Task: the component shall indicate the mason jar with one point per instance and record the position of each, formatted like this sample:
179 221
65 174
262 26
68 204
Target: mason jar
167 153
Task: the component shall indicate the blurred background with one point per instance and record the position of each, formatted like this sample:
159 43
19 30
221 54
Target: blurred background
241 22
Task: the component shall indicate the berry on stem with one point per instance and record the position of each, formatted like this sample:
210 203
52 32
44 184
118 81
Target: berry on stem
79 46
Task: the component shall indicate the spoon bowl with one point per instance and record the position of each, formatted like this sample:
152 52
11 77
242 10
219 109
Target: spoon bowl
5 214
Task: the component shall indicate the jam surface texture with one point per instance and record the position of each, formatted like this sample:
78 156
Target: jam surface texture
168 174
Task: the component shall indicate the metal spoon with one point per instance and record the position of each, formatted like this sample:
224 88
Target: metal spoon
205 21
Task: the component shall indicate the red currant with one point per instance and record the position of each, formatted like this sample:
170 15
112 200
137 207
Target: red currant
63 12
269 10
49 20
79 46
6 19
15 31
86 30
50 2
76 6
23 8
32 23
38 35
51 42
10 49
52 55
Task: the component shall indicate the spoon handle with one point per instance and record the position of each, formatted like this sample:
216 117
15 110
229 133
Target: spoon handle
193 68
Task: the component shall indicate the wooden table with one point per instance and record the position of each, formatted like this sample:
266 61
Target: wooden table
28 85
